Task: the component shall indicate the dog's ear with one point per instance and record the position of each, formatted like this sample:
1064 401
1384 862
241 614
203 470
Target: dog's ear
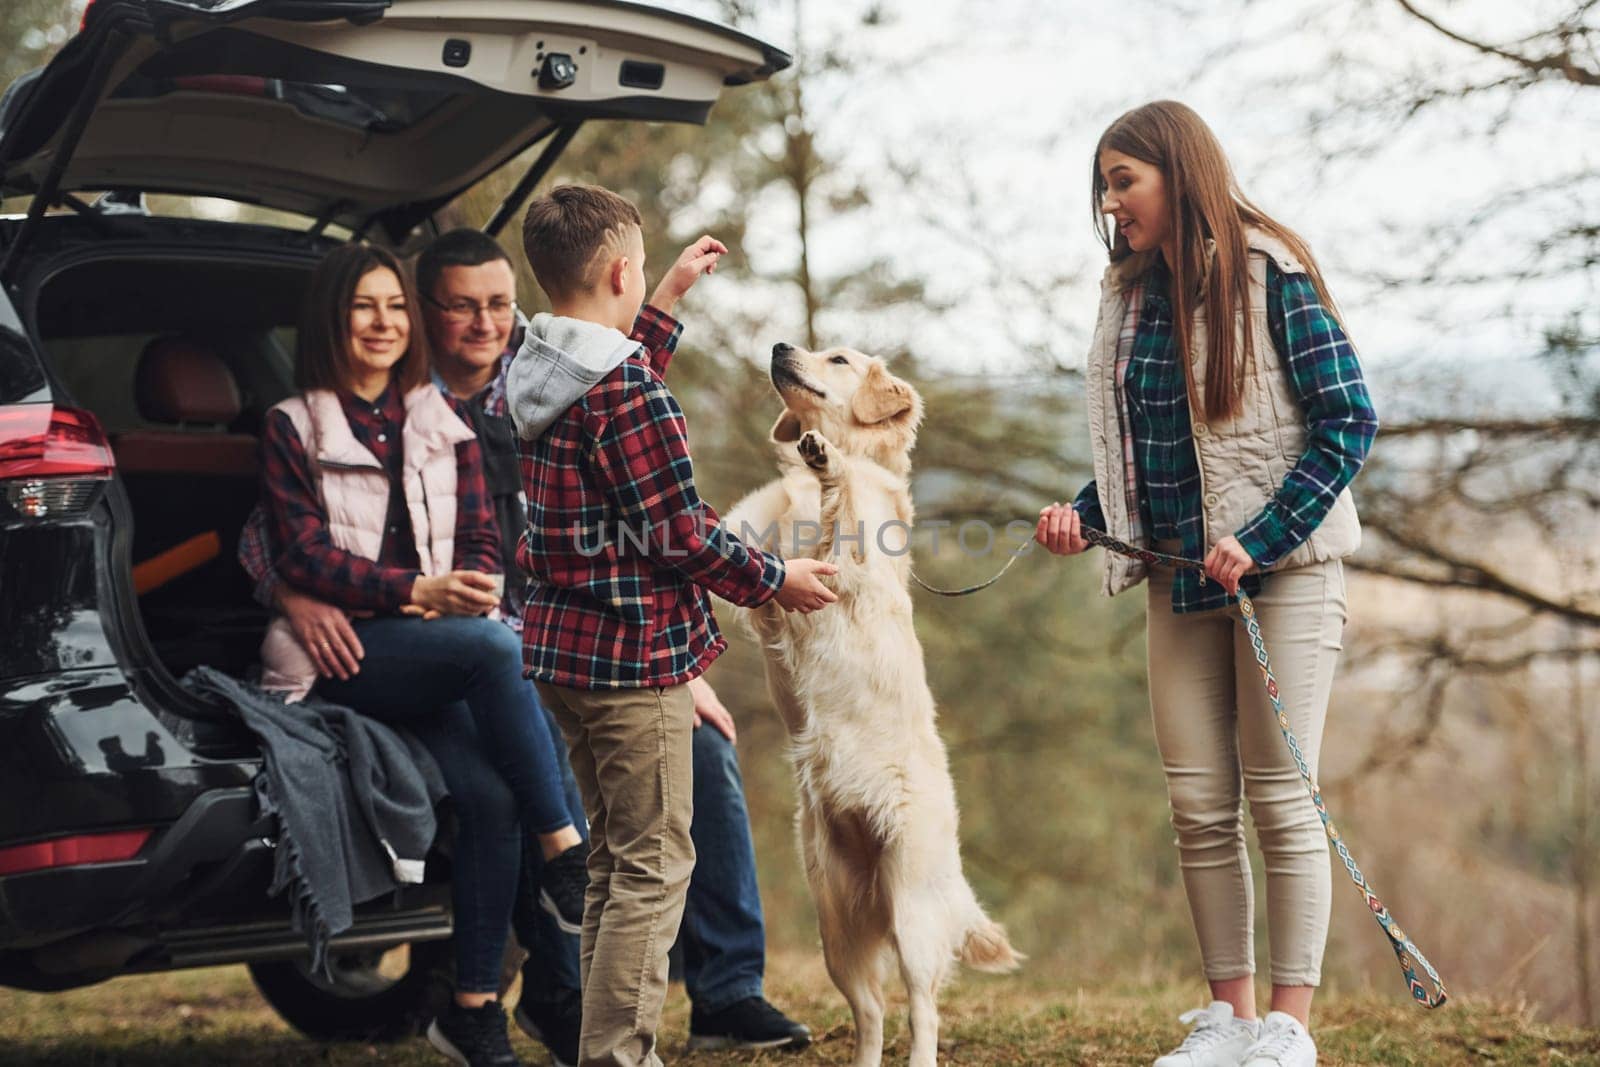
786 431
880 397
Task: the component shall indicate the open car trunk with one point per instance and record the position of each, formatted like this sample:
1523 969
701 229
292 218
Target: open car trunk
365 114
180 355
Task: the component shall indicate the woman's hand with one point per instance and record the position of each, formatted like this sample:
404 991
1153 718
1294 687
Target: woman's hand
455 593
324 631
1059 530
1227 562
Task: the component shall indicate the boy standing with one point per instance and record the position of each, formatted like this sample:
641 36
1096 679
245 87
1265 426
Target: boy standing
622 550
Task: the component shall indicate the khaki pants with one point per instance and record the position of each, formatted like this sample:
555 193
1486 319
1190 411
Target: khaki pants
631 752
1217 732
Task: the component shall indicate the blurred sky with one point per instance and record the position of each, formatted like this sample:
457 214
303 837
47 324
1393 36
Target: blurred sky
1000 105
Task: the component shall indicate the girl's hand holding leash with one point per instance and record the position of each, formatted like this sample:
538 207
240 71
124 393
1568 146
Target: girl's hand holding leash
1227 562
1058 530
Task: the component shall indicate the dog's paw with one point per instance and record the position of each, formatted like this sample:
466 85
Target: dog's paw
814 449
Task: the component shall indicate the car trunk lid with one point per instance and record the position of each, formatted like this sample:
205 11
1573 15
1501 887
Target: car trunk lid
355 112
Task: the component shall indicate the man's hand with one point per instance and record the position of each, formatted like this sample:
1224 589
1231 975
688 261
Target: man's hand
324 631
802 589
455 593
708 709
699 258
1227 562
1058 530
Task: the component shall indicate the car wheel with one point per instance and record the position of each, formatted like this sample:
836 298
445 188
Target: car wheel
372 995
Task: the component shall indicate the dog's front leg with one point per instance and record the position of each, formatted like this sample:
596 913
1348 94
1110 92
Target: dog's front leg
838 518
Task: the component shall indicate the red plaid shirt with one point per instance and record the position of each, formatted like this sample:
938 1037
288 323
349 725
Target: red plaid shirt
298 523
620 547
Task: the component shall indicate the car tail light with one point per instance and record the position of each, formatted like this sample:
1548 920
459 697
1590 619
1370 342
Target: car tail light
111 847
52 459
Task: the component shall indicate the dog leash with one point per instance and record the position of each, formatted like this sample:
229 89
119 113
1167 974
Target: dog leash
1405 949
968 589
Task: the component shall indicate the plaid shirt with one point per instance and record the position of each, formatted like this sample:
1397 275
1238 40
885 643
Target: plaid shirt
653 329
619 544
491 400
492 397
1326 377
296 520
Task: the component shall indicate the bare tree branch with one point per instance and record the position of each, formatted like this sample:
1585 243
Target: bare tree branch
1461 573
1577 425
1562 62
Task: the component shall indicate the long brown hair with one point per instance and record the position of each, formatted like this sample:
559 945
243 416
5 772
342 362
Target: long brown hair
322 345
1203 201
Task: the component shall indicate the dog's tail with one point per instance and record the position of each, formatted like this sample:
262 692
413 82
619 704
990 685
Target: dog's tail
986 948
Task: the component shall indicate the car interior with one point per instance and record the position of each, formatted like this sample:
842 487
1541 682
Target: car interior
180 359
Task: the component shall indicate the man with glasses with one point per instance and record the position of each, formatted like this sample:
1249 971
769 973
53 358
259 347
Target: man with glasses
468 289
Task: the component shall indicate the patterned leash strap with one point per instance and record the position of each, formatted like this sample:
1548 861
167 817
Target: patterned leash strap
1405 949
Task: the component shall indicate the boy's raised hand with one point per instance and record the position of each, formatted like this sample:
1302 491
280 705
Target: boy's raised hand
699 258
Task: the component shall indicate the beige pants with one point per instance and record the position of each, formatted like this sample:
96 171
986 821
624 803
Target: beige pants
1217 732
631 753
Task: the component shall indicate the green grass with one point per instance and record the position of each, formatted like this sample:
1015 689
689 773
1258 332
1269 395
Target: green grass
215 1017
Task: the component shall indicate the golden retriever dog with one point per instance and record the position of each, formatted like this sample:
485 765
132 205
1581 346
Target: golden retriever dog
877 810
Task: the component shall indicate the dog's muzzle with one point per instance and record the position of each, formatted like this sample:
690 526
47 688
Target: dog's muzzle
786 370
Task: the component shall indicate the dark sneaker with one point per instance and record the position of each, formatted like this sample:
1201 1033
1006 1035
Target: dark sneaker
475 1037
554 1024
562 883
750 1023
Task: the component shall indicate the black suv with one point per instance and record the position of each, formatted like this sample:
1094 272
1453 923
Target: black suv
138 356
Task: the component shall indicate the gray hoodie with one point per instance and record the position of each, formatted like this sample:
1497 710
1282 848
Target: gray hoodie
560 360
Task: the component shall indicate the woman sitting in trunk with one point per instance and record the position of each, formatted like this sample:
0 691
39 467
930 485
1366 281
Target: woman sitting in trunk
373 488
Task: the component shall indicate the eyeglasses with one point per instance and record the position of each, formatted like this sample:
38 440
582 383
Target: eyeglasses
462 311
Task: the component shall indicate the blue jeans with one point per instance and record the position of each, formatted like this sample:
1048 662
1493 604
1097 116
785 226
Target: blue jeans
554 954
723 937
457 684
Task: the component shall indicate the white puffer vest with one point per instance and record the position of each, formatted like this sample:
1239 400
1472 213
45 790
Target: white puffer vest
1243 460
355 494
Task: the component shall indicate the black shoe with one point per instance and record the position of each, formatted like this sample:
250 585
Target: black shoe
562 884
749 1023
475 1037
555 1024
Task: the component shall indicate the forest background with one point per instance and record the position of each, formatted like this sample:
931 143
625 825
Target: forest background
917 186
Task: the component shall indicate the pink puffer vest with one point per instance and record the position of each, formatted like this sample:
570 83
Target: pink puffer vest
355 494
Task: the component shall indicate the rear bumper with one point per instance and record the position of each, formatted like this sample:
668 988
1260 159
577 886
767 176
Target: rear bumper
218 848
195 896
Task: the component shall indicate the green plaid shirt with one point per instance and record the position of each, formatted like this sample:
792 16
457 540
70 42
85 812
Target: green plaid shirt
1327 381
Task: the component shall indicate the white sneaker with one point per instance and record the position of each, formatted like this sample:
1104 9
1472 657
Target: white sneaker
1217 1040
1283 1043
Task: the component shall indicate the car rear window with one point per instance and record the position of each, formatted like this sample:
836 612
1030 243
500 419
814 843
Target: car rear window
332 88
378 110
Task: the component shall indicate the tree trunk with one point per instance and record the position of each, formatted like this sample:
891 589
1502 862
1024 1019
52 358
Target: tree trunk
1582 859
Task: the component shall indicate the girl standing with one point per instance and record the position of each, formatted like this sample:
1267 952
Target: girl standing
1227 416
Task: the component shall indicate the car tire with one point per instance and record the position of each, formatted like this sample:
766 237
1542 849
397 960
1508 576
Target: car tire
360 1002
